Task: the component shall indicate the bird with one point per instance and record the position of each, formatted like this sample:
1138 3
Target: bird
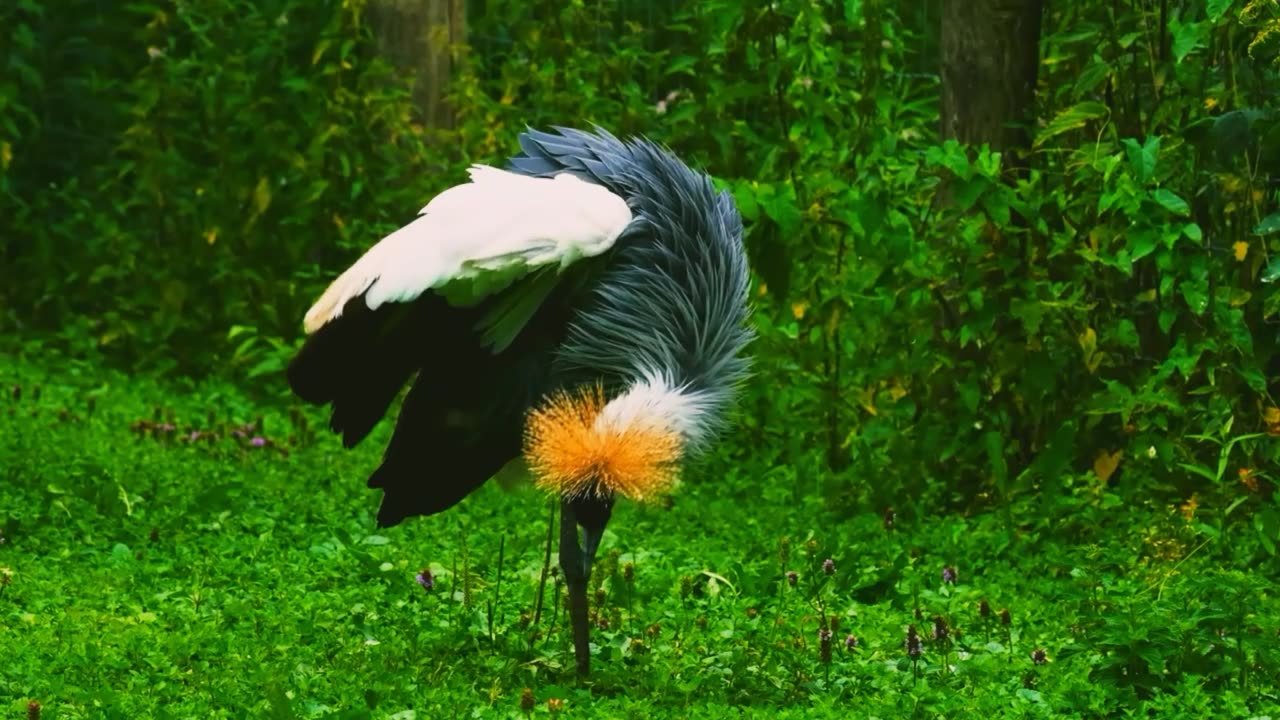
578 318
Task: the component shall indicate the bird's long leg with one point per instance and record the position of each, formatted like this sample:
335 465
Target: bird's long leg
574 568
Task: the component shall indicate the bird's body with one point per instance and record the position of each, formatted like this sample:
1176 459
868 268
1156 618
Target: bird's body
583 310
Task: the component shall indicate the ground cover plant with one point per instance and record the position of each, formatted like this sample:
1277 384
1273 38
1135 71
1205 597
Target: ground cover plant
185 551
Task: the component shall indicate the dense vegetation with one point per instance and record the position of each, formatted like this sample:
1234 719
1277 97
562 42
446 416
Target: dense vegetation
1057 363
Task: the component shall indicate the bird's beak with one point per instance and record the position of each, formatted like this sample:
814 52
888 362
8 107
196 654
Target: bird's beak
590 544
591 515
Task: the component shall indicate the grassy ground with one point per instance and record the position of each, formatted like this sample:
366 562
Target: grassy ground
151 575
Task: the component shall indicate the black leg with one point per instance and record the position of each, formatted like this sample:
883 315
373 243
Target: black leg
573 565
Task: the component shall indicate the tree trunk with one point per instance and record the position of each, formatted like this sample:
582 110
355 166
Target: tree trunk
416 36
990 57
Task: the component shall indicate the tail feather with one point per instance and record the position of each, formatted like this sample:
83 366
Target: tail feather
433 461
359 363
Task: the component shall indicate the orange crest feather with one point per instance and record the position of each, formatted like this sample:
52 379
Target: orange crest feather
570 453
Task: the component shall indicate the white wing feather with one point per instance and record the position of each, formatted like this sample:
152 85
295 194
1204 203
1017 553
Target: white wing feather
498 222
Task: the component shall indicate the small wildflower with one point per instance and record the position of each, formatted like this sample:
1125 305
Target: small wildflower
602 622
600 597
1005 617
824 645
526 700
1039 657
811 547
889 517
829 566
940 630
166 427
850 642
33 710
984 609
913 644
525 620
949 575
653 630
425 579
258 441
752 613
629 572
194 436
555 705
792 577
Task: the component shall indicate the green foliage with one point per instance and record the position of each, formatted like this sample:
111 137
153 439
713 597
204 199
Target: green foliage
229 151
149 573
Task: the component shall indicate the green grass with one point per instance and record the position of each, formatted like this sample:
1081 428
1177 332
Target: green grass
155 577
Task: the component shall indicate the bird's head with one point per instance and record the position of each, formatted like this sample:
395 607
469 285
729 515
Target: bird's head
589 449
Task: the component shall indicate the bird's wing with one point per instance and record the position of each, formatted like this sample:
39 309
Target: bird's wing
477 238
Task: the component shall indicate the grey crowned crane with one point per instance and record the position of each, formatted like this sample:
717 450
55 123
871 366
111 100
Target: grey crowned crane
579 316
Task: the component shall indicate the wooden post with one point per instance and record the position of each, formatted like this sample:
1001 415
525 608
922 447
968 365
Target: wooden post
417 36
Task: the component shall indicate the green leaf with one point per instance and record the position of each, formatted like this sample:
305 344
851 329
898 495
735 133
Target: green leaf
1215 9
1143 244
1143 157
1197 296
1188 37
1072 118
1269 224
968 192
1273 270
744 195
1127 334
1171 202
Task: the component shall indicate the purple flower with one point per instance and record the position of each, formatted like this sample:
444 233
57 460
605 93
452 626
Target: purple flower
850 642
1039 657
792 577
940 629
194 436
913 645
949 575
425 579
829 566
824 645
258 441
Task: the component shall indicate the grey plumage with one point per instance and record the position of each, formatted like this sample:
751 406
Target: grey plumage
672 297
